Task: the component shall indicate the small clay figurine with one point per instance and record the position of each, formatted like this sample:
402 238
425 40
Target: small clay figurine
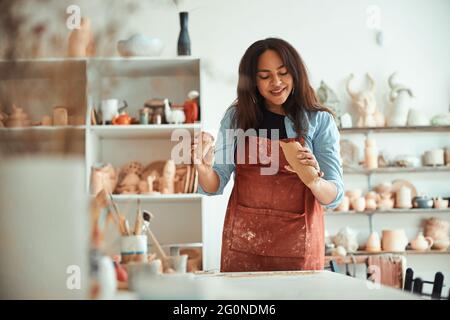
401 102
168 178
81 41
103 177
18 118
366 105
173 115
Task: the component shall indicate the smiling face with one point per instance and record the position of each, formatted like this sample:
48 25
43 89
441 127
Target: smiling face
273 80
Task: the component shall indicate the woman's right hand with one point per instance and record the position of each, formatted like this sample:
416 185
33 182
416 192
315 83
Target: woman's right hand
203 151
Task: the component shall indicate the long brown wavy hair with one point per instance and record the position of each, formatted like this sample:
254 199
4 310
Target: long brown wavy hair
249 102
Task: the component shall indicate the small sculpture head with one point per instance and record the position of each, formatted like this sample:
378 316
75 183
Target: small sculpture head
397 89
364 100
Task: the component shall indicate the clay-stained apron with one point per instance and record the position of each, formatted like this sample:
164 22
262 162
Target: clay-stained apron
273 222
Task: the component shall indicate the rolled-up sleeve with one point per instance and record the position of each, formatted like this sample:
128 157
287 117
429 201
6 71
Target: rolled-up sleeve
327 152
224 153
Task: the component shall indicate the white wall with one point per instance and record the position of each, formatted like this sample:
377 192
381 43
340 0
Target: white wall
332 38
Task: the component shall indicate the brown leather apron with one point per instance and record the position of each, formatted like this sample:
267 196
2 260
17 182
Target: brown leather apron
273 222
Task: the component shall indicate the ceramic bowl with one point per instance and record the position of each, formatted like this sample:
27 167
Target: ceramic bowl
422 202
139 45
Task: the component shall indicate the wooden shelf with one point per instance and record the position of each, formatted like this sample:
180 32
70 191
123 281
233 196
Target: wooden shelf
169 198
142 131
361 256
42 128
395 129
391 211
388 170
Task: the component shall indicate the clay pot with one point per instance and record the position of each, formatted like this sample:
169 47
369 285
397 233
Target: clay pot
394 240
371 200
403 198
386 202
440 203
359 204
373 243
438 230
441 244
421 243
434 157
344 205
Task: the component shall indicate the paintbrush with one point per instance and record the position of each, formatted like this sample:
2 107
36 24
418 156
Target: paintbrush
138 222
147 215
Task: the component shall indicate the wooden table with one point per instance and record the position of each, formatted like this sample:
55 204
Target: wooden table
298 285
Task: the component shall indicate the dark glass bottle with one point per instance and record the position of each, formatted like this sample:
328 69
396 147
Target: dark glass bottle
184 43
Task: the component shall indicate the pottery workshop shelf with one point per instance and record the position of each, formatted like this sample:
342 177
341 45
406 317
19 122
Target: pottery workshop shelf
170 198
395 129
143 131
388 170
392 211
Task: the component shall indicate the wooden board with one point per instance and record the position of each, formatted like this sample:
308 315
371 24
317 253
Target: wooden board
195 181
188 175
191 179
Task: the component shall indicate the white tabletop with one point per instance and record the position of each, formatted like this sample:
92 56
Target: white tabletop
298 285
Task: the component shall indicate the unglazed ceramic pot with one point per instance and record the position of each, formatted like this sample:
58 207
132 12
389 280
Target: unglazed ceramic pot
394 240
373 243
359 204
421 243
344 205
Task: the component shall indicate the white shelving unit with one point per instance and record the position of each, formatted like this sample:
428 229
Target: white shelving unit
409 219
37 85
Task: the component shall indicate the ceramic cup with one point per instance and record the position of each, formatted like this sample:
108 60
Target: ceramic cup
178 263
133 248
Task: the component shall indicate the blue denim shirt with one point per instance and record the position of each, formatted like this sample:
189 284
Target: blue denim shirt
322 139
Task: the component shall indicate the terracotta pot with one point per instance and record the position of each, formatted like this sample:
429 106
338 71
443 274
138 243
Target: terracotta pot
394 240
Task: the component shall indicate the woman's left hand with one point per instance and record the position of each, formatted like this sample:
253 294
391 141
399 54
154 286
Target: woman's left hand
306 157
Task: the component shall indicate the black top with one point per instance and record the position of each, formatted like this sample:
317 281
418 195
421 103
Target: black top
270 121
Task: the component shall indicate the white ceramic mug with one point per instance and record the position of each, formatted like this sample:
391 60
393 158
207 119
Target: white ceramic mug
110 108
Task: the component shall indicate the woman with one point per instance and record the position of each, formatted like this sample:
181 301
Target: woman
273 221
